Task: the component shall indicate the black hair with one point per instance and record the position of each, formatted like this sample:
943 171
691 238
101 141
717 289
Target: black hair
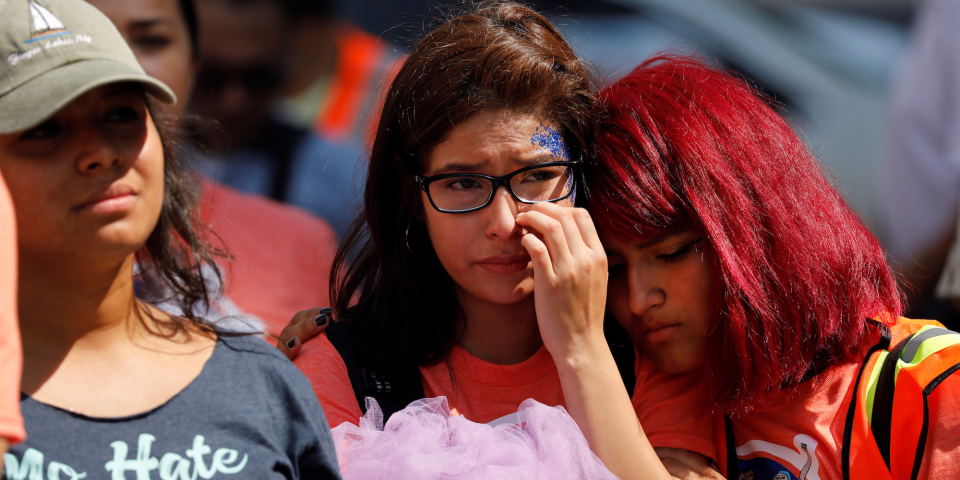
189 12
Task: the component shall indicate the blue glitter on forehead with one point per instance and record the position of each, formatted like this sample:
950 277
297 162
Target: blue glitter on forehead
551 139
571 186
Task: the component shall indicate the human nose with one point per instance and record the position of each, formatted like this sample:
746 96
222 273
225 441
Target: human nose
98 154
503 210
645 294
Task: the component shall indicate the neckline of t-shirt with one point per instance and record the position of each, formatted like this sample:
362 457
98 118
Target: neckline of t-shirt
217 351
493 374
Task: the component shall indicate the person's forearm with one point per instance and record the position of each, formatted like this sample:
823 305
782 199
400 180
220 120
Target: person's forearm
4 444
597 400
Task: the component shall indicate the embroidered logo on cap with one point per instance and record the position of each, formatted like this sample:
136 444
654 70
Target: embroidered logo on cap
45 24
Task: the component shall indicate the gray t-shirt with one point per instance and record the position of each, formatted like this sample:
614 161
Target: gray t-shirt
249 414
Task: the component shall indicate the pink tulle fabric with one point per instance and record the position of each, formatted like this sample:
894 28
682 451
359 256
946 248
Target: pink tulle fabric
425 442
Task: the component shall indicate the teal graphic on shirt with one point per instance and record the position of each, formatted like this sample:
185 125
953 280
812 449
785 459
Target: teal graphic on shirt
199 461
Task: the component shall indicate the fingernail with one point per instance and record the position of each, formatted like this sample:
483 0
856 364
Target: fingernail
292 342
321 320
326 311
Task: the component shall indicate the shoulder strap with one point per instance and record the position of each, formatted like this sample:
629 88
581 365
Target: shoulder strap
883 344
733 463
911 351
622 349
392 386
883 400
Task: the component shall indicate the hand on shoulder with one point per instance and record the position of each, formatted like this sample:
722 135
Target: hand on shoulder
304 325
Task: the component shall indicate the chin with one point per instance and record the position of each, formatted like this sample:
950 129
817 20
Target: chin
502 294
672 365
123 240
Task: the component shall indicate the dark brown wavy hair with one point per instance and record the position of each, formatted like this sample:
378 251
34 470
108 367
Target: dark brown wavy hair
174 255
495 55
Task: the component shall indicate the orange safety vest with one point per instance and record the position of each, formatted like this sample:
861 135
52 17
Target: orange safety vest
365 66
885 434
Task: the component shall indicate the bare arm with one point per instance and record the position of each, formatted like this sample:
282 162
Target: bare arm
570 286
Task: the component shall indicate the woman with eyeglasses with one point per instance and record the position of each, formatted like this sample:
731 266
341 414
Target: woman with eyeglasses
476 278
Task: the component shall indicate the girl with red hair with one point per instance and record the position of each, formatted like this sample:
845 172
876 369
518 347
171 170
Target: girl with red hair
732 257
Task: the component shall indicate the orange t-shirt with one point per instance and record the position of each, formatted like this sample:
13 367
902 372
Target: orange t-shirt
281 254
484 391
673 409
11 357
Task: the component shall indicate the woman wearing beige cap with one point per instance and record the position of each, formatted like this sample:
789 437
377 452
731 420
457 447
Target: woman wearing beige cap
110 382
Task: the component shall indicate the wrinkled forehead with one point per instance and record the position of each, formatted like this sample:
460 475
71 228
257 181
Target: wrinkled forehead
497 139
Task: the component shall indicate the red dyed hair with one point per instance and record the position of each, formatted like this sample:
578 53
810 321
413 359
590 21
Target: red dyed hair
796 272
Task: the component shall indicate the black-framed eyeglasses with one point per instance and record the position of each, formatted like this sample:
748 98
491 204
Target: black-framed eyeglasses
466 192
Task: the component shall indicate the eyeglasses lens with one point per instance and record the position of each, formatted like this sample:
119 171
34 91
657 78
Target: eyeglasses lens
544 184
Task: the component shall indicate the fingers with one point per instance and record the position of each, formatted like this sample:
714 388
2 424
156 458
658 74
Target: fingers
556 221
290 348
679 470
539 256
588 231
302 327
685 464
553 233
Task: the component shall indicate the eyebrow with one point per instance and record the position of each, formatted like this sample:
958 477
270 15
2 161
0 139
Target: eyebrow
472 167
149 22
657 239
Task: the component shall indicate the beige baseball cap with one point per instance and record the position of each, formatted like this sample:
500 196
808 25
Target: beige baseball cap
53 51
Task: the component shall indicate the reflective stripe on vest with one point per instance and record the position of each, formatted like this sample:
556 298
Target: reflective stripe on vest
888 437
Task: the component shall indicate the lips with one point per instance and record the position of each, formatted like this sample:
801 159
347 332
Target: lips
505 263
112 198
659 333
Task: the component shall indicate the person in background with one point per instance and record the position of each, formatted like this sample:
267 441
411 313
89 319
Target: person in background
920 194
11 358
241 75
337 73
281 255
112 384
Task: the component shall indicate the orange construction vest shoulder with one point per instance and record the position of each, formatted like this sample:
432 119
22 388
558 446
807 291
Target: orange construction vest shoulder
885 435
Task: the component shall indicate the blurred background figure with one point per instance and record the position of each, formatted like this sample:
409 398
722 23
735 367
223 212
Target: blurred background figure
245 46
336 73
921 190
281 254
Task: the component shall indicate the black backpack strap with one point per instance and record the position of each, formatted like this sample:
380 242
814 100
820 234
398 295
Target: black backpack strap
622 349
883 344
340 338
882 416
392 386
880 420
733 463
